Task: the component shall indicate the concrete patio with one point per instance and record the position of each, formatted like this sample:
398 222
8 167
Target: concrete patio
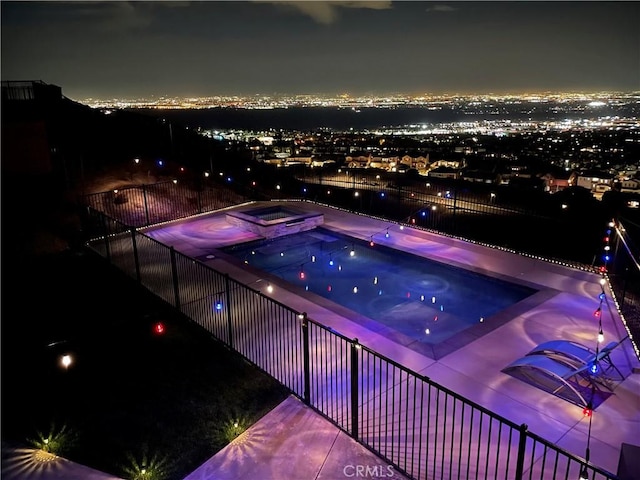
563 310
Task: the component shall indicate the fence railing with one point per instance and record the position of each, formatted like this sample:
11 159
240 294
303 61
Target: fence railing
536 225
623 271
421 428
148 204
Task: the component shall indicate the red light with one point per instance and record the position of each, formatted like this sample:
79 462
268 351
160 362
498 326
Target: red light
413 220
606 239
371 243
587 412
328 288
182 169
158 328
598 312
603 269
302 275
435 319
408 294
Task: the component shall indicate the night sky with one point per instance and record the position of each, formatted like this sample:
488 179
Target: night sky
120 49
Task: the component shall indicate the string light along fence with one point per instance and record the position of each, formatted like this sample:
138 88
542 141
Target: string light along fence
620 266
423 429
532 223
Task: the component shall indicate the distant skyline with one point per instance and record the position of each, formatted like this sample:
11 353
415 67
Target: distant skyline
120 49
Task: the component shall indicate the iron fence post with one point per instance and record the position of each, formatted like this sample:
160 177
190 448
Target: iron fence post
455 198
354 388
146 204
174 273
227 287
105 227
135 254
522 444
305 358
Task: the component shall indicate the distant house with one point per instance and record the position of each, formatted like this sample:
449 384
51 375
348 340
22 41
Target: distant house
359 161
557 180
449 163
297 161
595 180
419 162
444 172
478 176
630 185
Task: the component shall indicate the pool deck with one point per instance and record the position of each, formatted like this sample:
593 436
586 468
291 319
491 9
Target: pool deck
565 310
294 442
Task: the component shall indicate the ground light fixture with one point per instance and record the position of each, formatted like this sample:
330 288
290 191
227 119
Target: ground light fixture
66 360
584 475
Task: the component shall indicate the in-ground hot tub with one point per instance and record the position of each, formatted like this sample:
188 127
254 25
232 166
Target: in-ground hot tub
274 221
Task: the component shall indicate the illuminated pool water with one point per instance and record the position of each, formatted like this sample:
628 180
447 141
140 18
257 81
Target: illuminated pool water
423 299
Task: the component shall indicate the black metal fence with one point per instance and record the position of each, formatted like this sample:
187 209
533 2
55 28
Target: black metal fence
623 271
421 428
532 222
548 226
149 204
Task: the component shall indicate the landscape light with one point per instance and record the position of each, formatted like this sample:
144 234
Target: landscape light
66 360
584 475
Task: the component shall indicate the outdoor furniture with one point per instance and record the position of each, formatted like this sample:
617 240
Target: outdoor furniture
578 355
575 384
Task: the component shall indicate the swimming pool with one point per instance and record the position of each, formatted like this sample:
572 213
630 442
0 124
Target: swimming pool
425 300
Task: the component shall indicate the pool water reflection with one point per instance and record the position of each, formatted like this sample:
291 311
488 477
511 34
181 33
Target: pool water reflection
420 298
